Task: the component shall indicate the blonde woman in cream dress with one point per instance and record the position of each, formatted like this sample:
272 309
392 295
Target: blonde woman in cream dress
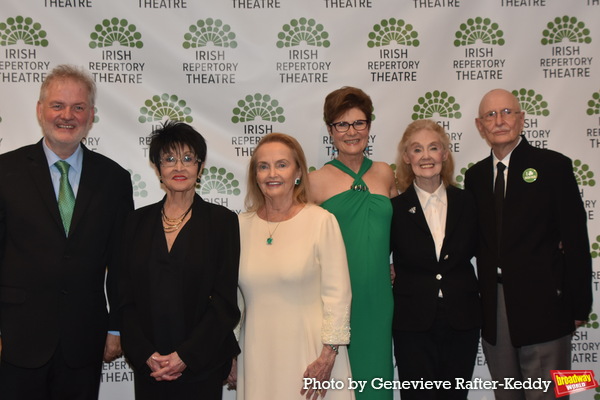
294 284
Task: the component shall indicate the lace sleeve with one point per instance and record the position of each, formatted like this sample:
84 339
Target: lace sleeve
335 283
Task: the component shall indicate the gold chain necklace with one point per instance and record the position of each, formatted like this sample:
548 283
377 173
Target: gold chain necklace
172 224
270 238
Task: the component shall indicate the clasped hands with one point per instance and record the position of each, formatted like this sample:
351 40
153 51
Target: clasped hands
165 368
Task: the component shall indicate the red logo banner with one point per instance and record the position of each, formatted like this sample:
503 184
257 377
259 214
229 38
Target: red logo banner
572 381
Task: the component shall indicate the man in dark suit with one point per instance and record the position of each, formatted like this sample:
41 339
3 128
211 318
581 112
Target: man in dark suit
59 228
533 260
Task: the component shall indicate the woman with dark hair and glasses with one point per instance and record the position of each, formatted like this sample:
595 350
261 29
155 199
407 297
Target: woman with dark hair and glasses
179 276
358 191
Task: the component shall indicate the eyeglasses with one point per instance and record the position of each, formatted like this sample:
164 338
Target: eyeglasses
505 113
186 160
359 125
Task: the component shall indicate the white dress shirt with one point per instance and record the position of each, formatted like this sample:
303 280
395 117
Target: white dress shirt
435 208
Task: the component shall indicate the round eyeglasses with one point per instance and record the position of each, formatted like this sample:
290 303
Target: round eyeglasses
358 125
505 113
186 160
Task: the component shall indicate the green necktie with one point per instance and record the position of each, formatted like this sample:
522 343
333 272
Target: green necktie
66 198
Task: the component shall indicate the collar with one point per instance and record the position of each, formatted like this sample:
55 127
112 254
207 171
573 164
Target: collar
425 197
75 160
506 159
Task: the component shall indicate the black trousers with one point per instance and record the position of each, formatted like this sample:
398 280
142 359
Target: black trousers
441 353
53 381
208 388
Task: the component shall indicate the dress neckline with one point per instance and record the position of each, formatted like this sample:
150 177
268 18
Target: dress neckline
364 167
359 184
304 206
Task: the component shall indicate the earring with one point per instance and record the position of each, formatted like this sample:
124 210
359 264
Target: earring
160 179
297 181
334 151
198 179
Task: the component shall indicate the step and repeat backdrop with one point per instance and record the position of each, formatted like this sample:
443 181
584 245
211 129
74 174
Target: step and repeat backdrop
239 69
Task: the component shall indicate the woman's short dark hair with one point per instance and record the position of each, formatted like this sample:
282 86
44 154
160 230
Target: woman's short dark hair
341 100
171 137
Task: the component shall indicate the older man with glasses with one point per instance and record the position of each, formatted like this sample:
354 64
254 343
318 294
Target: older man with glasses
533 260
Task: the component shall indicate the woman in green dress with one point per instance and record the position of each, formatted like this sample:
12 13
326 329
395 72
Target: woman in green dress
358 191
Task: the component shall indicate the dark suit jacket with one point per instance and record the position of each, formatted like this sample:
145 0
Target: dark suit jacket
51 286
207 288
544 249
420 276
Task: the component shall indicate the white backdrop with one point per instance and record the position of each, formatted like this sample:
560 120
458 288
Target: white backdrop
238 69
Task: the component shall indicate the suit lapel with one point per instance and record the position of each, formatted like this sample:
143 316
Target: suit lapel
516 188
488 178
201 241
199 231
413 208
518 160
91 175
150 234
453 211
40 172
486 203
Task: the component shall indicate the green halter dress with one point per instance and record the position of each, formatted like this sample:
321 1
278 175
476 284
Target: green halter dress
365 221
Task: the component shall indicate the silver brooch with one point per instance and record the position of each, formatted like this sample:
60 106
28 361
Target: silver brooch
359 188
412 210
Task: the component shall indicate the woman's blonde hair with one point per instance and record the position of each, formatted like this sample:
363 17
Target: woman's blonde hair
255 198
404 173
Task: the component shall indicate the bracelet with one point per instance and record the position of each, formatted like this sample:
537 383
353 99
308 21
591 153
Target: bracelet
335 348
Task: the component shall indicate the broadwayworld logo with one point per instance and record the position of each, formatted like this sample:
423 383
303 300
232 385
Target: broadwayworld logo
479 29
565 29
303 30
390 31
22 29
256 106
567 382
164 107
207 31
115 31
436 102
